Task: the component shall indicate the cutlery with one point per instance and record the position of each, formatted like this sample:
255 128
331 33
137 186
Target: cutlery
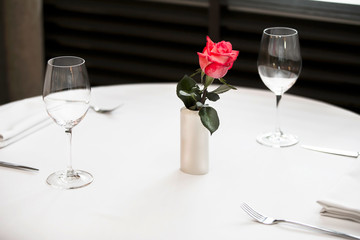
333 151
104 110
15 166
269 221
25 132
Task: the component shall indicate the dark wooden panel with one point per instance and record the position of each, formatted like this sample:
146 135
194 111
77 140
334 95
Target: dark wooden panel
3 84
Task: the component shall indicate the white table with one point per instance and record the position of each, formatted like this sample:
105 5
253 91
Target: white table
139 191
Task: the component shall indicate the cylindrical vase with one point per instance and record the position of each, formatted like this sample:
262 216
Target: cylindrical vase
194 149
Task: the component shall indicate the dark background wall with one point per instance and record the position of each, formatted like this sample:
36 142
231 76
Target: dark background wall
3 84
21 49
155 41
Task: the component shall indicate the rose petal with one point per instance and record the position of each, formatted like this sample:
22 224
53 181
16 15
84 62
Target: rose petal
209 45
224 59
223 47
215 70
222 54
203 61
234 55
208 40
220 59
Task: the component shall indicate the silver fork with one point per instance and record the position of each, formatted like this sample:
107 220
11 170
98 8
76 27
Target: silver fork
104 110
269 220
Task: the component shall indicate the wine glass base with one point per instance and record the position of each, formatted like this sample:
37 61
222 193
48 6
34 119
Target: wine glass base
70 179
273 139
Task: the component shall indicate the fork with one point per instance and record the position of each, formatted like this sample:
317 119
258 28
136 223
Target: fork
269 220
104 110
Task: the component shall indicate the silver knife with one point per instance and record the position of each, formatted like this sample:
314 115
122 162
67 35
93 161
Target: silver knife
333 151
21 167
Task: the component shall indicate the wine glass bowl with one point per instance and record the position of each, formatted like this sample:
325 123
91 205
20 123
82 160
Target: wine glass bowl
278 81
67 108
66 95
279 66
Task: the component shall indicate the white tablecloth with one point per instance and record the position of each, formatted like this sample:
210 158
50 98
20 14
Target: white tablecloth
138 190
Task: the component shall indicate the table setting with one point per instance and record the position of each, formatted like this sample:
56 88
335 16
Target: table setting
176 160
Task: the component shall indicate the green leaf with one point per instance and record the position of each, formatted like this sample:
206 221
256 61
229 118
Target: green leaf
212 96
188 91
221 89
199 105
185 94
222 80
208 81
209 118
194 108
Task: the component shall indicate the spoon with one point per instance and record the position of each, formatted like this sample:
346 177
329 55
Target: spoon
104 110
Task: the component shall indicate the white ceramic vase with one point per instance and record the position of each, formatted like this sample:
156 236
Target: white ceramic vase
194 149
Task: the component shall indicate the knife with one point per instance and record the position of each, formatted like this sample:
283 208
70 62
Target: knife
333 151
15 166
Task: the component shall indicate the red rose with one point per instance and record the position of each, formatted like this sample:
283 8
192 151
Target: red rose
217 58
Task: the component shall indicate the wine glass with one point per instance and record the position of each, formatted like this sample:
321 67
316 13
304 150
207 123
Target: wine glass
66 95
279 65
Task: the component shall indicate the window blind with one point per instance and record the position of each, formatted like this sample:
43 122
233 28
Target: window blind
156 41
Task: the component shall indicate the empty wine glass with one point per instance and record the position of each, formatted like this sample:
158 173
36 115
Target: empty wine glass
279 65
67 96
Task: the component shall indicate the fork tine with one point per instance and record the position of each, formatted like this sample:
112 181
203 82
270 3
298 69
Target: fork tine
245 207
252 212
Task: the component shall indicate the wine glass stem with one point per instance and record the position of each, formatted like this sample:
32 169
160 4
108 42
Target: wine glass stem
69 170
277 126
